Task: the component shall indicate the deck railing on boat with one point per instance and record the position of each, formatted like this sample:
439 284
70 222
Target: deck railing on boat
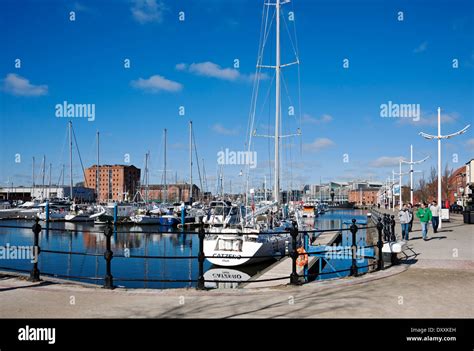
381 222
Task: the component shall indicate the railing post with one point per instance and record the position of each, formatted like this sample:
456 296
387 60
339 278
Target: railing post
294 279
353 228
380 244
386 227
109 280
392 227
306 245
201 257
35 273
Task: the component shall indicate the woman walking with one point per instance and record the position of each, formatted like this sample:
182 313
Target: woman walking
405 217
424 215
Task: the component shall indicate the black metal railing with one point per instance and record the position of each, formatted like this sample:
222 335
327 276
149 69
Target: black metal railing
384 225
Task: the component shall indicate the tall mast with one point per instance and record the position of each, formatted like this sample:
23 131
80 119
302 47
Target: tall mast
190 162
97 170
71 195
276 190
33 172
146 178
164 174
204 175
43 170
49 188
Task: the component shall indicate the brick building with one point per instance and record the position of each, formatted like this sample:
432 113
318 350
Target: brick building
175 192
366 196
457 185
116 182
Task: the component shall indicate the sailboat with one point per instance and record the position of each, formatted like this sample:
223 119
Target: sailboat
264 231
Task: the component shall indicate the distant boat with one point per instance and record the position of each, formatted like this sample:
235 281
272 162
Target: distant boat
170 220
106 213
146 219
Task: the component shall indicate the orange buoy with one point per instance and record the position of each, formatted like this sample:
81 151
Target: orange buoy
302 259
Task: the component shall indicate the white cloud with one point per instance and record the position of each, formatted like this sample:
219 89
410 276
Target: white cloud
80 7
146 11
220 129
421 48
213 70
209 69
155 84
386 161
430 119
318 144
312 120
19 86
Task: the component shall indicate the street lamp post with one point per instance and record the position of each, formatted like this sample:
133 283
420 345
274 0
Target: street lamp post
439 137
411 163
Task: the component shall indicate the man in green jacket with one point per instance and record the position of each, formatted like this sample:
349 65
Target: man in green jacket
424 215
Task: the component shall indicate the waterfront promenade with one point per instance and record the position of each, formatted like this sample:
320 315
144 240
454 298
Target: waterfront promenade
437 282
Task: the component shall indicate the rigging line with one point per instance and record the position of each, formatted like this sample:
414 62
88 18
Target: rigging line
286 89
61 157
300 112
267 97
258 118
59 178
197 160
255 92
289 36
267 33
79 154
258 76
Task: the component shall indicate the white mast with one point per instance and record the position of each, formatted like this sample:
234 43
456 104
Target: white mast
43 170
146 178
190 162
33 173
97 170
276 189
49 189
265 186
71 195
165 198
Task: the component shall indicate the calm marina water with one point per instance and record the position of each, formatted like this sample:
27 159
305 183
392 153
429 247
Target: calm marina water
87 238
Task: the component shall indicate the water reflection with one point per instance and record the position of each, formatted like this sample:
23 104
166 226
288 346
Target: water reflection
138 241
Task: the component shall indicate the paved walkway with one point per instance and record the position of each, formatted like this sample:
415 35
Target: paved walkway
451 247
437 283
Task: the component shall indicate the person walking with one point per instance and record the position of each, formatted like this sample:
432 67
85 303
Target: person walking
424 215
435 211
411 210
405 217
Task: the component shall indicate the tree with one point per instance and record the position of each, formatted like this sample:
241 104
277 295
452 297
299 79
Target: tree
446 188
422 191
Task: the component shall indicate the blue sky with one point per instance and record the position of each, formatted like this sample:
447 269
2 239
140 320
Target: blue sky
190 63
